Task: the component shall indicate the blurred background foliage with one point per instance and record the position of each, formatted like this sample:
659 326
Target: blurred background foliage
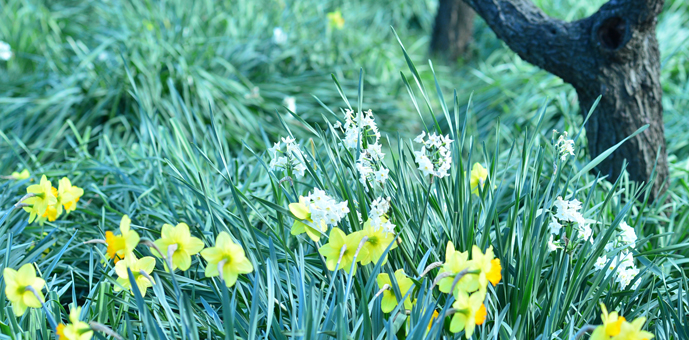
81 60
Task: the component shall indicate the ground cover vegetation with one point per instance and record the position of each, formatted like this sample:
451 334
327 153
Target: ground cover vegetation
299 169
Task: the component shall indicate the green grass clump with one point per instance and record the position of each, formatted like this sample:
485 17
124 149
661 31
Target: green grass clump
151 108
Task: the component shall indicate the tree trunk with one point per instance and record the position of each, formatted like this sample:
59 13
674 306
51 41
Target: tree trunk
453 29
613 53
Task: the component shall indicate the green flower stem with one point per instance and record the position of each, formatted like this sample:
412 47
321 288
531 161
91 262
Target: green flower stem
458 277
95 242
584 330
49 316
423 218
381 291
19 203
221 264
98 327
351 270
431 267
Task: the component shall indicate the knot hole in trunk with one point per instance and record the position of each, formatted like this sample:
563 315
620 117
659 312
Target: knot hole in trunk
612 33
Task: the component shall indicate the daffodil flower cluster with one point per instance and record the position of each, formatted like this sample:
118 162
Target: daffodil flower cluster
369 164
564 146
471 289
361 124
434 158
315 212
292 159
45 202
176 246
616 327
367 246
567 215
623 263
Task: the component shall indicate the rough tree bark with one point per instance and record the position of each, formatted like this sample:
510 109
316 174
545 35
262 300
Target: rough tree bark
613 53
453 29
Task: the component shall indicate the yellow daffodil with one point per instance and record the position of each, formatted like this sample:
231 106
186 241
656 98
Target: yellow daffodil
43 197
68 195
616 327
21 175
123 244
52 212
130 261
455 262
376 244
302 213
227 259
336 20
17 291
332 249
433 318
632 330
489 266
76 329
469 312
180 243
389 301
478 177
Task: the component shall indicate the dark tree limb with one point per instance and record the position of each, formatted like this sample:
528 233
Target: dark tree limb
453 29
613 53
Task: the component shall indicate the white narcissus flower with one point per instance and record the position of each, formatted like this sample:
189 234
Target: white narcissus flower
361 134
299 170
585 232
565 146
274 150
381 175
554 226
625 277
325 209
434 158
378 220
628 236
291 103
569 211
419 138
5 51
426 167
376 151
292 159
600 262
279 36
551 244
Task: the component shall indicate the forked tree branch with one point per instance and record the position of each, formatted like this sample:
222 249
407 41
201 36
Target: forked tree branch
569 50
546 42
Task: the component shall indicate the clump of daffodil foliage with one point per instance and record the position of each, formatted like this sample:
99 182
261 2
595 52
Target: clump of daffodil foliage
336 229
